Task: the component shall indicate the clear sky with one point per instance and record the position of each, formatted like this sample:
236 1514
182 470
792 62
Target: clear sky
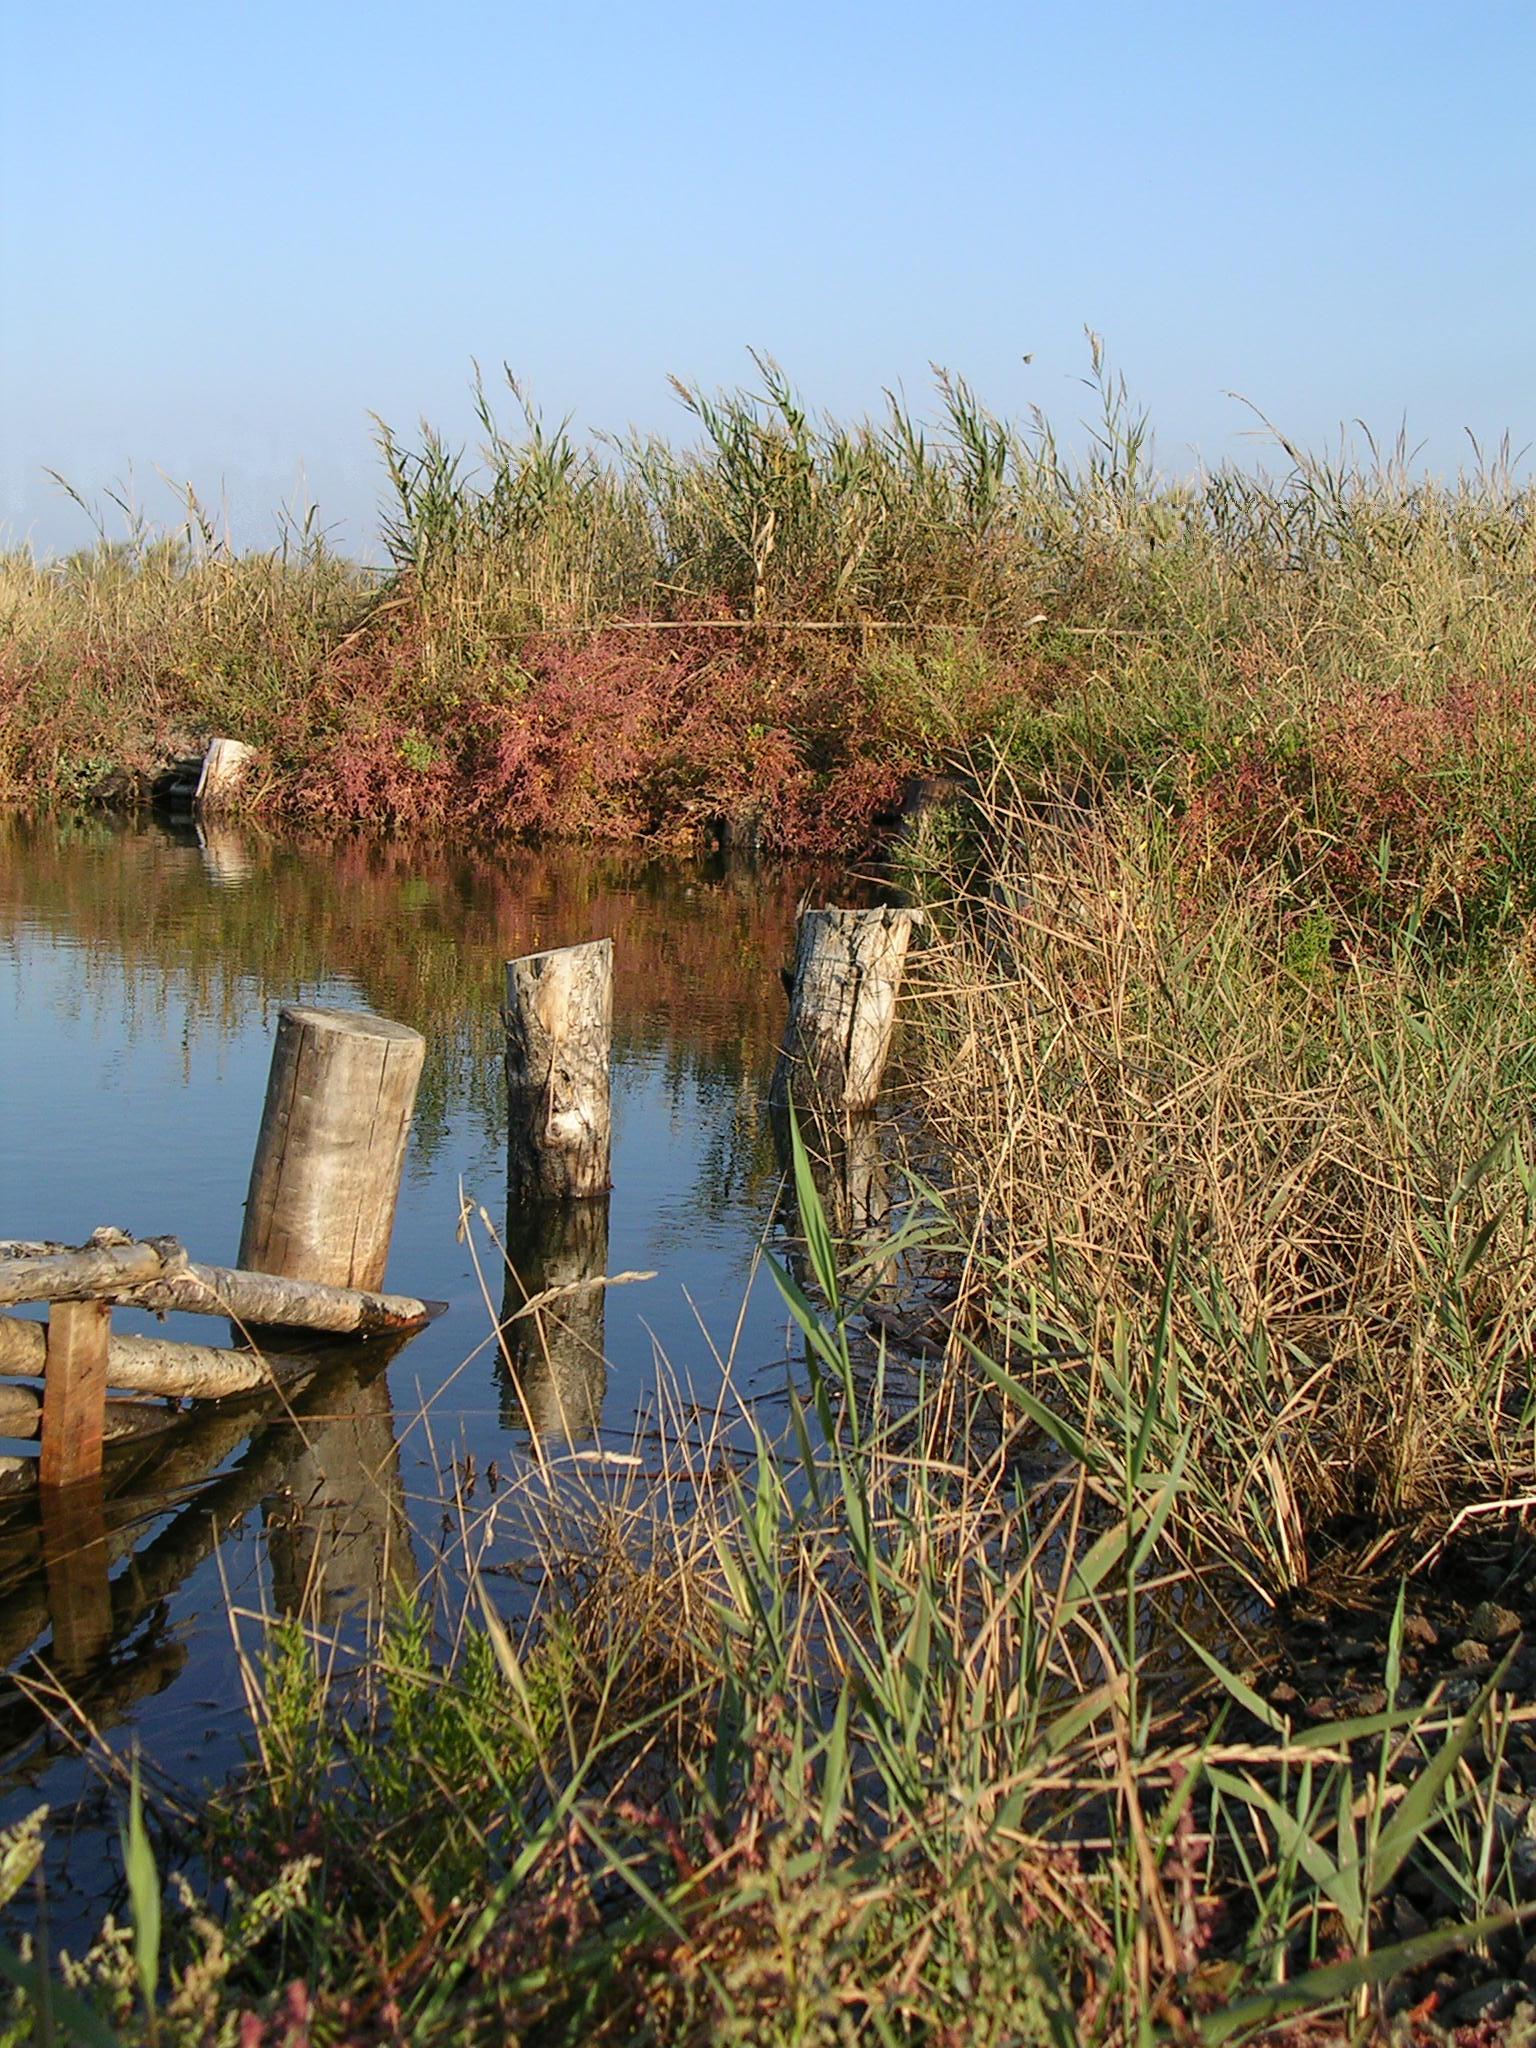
231 232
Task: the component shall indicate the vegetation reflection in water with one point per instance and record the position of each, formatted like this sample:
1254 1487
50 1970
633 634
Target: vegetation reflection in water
143 949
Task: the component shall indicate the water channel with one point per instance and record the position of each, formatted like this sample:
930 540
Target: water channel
140 974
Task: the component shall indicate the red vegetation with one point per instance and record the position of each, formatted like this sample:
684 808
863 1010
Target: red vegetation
615 735
1385 800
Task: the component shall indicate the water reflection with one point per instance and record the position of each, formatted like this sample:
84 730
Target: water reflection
139 977
553 1370
326 1479
338 1536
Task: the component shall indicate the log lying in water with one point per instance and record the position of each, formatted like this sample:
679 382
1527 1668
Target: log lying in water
155 1273
91 1272
155 1365
21 1415
273 1300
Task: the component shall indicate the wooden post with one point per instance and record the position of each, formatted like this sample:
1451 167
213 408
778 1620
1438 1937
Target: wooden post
842 1010
559 1020
223 771
74 1392
326 1176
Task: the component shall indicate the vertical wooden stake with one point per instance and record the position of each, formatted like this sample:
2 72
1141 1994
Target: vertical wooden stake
842 1010
74 1391
326 1176
559 1045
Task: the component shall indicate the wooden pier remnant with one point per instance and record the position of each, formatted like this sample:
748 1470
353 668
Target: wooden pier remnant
208 785
842 1011
321 1210
559 1019
326 1176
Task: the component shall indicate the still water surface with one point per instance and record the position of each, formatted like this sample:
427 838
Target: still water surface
140 975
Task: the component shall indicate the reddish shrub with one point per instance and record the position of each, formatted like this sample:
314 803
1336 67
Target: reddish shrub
1386 800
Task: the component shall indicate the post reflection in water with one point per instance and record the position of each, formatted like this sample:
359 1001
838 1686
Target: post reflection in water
338 1535
851 1174
76 1569
551 1367
139 974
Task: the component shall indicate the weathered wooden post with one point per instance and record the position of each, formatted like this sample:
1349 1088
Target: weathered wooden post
74 1392
842 1011
559 1019
224 769
326 1176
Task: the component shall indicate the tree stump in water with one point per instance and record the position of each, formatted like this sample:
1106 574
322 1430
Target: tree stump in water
326 1176
842 1011
559 1020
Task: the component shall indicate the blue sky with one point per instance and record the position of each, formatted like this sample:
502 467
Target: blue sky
229 234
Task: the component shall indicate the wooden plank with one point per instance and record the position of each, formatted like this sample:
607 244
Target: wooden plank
74 1392
326 1175
559 1050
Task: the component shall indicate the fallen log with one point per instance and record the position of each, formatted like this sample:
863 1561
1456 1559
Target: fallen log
274 1300
91 1272
156 1365
155 1273
21 1416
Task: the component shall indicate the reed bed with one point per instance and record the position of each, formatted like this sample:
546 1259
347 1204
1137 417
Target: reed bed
778 620
1223 1146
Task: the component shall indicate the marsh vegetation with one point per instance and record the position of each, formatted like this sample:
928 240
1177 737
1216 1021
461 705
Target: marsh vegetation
1140 1655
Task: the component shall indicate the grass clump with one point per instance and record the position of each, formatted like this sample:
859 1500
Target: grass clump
1202 1118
